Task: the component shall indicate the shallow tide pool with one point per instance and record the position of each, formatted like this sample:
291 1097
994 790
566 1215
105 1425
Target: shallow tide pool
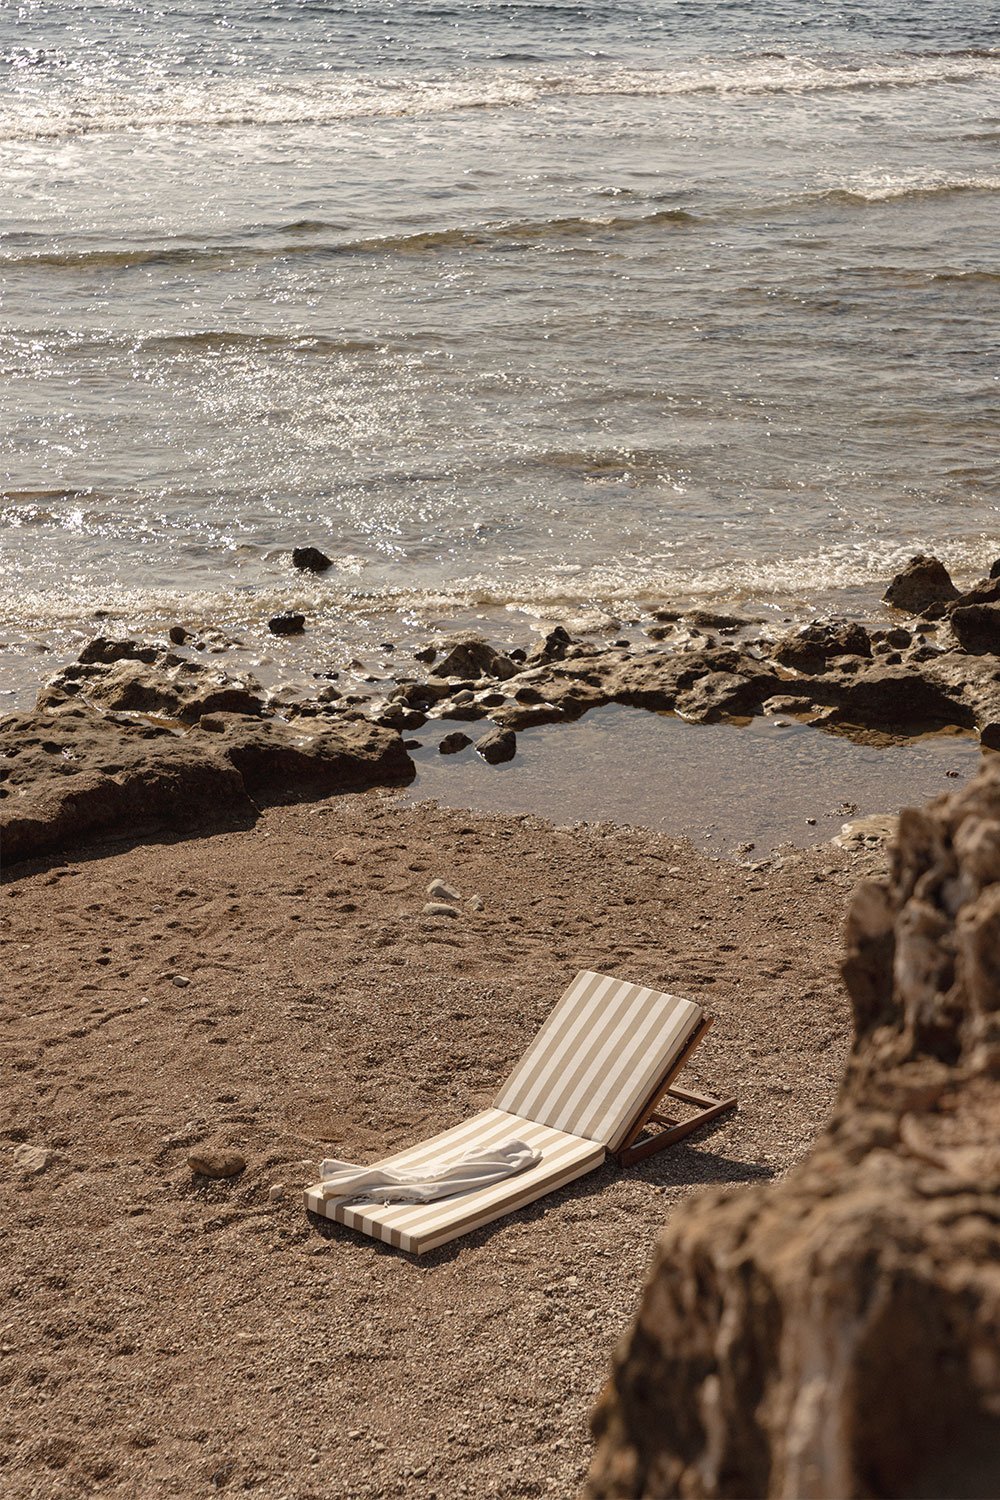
724 786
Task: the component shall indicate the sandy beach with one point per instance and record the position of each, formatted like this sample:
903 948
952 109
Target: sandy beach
169 1339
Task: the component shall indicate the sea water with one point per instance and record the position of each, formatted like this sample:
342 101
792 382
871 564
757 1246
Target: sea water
518 310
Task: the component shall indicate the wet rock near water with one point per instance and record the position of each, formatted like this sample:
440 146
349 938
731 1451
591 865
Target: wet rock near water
474 657
976 628
812 648
310 560
165 685
835 1334
498 746
452 743
287 624
924 584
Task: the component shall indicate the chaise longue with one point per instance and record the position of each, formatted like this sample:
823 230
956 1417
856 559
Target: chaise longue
589 1086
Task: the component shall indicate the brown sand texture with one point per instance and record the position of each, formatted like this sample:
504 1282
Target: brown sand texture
279 990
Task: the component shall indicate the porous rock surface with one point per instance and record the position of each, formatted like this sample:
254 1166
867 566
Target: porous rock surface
836 1335
71 774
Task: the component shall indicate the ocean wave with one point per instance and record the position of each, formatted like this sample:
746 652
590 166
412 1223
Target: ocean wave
551 592
251 252
218 104
888 190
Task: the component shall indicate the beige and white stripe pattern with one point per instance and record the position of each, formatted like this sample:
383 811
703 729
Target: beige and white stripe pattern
599 1058
426 1226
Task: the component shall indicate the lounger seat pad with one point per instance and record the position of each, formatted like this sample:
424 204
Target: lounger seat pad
421 1227
600 1057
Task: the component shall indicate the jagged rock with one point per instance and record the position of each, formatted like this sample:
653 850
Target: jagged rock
281 762
103 651
897 698
834 1336
724 695
896 637
310 560
497 746
923 583
74 775
426 654
554 647
473 657
172 688
287 624
452 743
976 627
986 591
811 648
177 635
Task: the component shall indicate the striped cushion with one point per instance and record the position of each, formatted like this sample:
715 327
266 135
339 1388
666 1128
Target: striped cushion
424 1226
599 1057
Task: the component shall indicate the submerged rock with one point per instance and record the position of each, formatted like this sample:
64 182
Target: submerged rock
834 1335
922 584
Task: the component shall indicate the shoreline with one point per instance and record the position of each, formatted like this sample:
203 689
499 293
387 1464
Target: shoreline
136 738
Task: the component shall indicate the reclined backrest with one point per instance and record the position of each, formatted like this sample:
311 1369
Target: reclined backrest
599 1057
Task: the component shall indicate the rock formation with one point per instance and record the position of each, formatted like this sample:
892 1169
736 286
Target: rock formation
73 774
837 1334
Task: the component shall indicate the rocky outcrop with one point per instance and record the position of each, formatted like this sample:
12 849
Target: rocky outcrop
473 657
836 1335
812 648
976 628
924 584
71 775
167 686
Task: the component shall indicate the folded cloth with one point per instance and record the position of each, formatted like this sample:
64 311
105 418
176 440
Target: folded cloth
348 1183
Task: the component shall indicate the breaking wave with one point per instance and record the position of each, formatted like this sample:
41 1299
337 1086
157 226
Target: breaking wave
223 104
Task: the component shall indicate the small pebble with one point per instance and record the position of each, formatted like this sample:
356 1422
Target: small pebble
32 1159
218 1162
276 1192
438 891
180 980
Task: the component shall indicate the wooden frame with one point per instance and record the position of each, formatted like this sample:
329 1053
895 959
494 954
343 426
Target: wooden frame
709 1108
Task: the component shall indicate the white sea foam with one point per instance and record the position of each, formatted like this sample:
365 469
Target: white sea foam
549 593
220 103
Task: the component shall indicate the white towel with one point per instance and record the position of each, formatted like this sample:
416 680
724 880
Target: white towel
348 1183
